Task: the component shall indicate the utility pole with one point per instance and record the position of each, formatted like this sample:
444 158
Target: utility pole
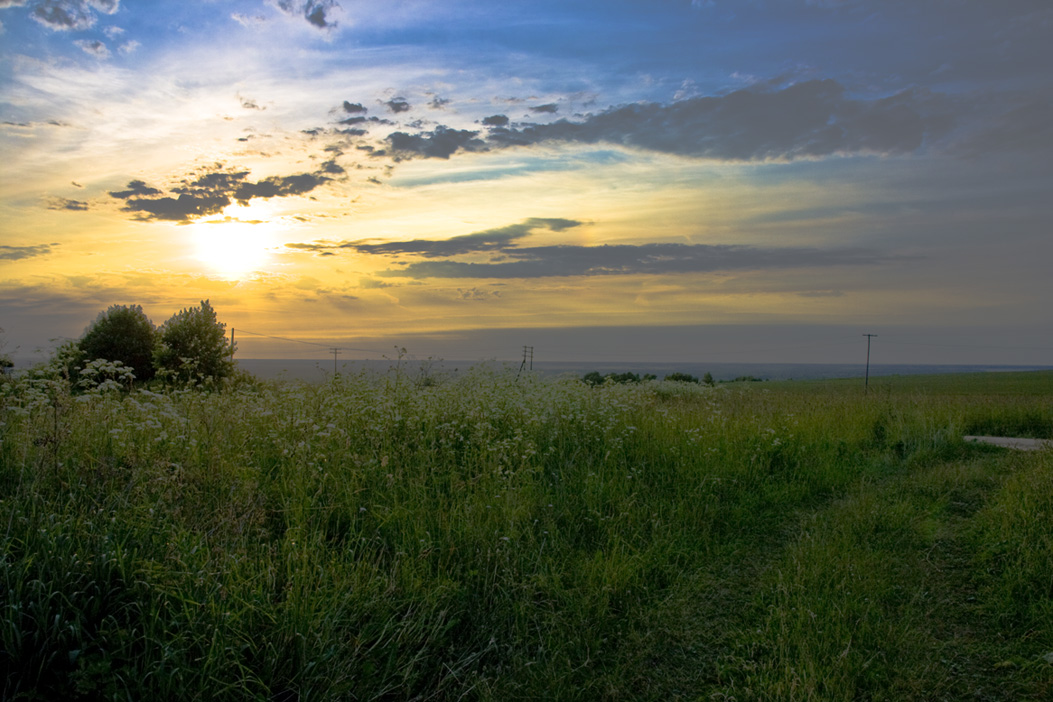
866 381
232 343
528 356
336 352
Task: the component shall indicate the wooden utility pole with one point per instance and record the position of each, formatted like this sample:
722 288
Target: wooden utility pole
528 356
336 351
866 381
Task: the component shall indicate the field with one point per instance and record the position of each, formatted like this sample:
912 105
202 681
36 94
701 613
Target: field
492 537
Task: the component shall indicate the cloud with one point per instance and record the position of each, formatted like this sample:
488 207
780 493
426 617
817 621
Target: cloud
93 47
443 142
316 12
250 104
211 191
549 109
353 108
490 240
248 22
1023 128
61 203
373 284
397 105
625 259
17 253
477 294
807 120
62 15
136 188
511 260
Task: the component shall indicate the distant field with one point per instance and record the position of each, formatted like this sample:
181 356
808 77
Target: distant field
483 536
1007 383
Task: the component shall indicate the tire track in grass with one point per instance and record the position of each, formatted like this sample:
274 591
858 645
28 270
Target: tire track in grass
879 597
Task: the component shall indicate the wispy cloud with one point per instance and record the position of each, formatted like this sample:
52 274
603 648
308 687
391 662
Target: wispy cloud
62 203
509 259
93 47
490 240
17 253
627 259
64 15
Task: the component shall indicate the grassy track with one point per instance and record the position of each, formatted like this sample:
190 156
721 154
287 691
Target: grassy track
483 538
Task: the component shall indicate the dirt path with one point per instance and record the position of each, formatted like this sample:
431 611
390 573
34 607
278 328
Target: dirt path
1008 442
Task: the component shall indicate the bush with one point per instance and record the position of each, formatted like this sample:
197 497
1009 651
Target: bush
123 334
193 346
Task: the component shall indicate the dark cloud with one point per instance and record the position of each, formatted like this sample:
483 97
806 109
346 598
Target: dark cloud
511 260
812 119
279 186
652 259
71 14
250 104
487 241
61 203
443 142
805 120
332 168
214 190
316 12
490 240
1024 128
438 103
364 120
353 108
397 105
136 188
549 109
17 253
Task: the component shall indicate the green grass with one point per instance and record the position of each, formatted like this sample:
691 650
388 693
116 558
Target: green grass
483 538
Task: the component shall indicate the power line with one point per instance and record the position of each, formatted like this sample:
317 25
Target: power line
309 343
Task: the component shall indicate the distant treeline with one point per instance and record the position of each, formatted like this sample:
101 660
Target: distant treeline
596 378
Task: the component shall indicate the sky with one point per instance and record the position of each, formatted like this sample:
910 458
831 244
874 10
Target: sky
667 180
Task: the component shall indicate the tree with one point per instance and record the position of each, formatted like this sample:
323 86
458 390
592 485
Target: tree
193 345
682 377
123 334
6 364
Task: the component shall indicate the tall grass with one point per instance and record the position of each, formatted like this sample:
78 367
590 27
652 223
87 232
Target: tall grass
490 536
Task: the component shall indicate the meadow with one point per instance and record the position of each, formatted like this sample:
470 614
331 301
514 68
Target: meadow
494 536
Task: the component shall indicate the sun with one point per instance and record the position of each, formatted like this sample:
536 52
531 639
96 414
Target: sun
233 250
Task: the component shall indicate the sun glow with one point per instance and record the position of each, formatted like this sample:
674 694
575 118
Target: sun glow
233 250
